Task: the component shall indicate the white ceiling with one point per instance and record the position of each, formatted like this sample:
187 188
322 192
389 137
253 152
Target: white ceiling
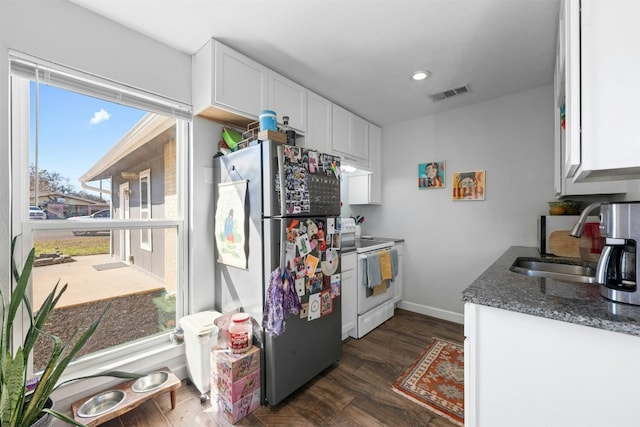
359 53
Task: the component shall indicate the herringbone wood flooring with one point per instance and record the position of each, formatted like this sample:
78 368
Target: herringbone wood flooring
354 392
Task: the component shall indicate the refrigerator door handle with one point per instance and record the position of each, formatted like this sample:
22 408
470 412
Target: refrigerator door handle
281 178
283 245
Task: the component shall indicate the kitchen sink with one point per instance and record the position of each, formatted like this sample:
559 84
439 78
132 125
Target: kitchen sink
556 268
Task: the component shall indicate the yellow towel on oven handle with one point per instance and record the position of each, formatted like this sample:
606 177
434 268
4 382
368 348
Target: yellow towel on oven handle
385 265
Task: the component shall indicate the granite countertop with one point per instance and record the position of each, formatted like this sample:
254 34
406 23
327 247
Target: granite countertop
581 304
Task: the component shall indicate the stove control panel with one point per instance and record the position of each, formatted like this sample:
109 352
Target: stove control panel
347 225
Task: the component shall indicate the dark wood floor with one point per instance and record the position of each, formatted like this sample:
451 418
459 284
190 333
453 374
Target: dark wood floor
354 392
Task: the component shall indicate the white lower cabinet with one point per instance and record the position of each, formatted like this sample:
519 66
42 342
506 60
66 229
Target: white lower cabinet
348 294
397 285
523 370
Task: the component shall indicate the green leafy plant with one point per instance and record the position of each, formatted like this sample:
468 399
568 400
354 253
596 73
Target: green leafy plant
19 407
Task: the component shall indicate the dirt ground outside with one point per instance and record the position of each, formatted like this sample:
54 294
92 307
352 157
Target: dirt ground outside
129 318
139 305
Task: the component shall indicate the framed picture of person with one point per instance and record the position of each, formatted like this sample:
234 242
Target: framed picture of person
431 175
469 185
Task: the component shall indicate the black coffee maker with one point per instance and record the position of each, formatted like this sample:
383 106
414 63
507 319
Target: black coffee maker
618 264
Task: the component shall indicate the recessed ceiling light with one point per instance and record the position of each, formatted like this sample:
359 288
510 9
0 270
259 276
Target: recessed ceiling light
420 75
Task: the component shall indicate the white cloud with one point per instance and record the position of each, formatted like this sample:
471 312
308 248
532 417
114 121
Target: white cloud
100 116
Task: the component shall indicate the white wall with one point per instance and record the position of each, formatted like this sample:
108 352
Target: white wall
201 244
449 243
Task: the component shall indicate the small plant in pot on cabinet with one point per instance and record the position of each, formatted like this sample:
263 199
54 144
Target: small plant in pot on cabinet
20 407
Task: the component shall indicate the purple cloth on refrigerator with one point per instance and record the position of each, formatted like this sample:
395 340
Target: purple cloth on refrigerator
292 303
280 302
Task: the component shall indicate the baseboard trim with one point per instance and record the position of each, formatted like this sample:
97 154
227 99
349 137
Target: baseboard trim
432 311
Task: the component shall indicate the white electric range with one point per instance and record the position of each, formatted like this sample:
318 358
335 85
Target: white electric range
373 308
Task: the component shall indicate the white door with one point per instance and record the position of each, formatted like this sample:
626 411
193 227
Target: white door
125 235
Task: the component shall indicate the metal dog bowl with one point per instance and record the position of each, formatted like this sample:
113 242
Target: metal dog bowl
101 403
150 382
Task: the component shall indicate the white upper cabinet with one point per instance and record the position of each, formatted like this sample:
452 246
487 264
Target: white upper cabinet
350 137
288 98
610 70
366 189
319 123
359 137
569 138
375 163
570 82
232 88
340 130
228 86
601 72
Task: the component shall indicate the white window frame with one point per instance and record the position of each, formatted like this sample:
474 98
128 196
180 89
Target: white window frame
145 212
139 355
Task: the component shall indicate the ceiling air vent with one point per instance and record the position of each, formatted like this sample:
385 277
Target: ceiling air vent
450 92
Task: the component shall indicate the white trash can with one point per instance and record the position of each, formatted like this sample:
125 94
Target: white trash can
200 334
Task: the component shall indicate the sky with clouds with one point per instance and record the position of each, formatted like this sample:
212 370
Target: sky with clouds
75 131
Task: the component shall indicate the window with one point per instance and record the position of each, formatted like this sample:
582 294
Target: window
86 152
145 208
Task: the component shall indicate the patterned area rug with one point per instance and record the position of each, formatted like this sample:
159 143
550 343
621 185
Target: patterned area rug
436 380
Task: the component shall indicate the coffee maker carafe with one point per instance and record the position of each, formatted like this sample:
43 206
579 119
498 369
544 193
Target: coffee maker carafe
618 264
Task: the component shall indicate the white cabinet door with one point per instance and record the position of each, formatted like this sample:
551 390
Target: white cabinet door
319 123
375 164
350 137
609 75
359 186
359 137
397 284
567 94
240 82
571 33
288 98
366 189
340 129
348 294
543 372
228 86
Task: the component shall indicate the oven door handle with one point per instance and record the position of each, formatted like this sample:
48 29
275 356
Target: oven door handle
364 255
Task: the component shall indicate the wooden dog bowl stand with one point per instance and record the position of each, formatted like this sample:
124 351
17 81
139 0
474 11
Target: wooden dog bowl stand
132 400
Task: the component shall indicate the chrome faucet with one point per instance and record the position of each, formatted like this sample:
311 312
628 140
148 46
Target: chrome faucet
578 229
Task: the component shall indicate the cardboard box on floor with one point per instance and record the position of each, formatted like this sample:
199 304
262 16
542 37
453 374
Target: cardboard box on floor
235 382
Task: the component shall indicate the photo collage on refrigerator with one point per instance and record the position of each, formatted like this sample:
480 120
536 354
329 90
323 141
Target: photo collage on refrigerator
313 259
303 166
